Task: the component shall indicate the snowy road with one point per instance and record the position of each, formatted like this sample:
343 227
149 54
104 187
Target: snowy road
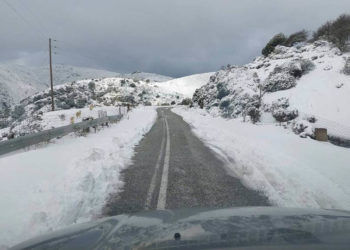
172 168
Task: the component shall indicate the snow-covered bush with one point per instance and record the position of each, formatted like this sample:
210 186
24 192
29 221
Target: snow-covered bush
17 112
186 101
279 80
92 86
304 128
279 110
284 115
284 76
336 31
222 92
346 69
254 114
270 46
297 37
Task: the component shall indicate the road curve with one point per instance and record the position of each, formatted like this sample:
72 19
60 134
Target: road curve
172 169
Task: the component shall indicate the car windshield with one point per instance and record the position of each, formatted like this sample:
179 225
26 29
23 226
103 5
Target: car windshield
115 108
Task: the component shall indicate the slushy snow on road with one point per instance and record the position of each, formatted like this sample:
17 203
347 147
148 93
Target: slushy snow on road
68 181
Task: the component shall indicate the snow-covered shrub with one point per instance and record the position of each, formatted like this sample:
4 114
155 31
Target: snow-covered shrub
270 46
222 93
336 31
280 103
133 85
92 86
303 128
346 69
311 119
297 37
254 114
80 103
4 123
279 80
17 112
284 76
306 66
284 115
186 101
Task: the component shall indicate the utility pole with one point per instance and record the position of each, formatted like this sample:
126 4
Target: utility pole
51 79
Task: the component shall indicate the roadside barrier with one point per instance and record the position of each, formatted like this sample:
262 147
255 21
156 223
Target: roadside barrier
46 135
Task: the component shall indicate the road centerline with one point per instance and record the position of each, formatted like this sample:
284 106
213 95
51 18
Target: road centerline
164 181
153 180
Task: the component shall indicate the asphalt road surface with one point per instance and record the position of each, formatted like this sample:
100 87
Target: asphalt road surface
172 169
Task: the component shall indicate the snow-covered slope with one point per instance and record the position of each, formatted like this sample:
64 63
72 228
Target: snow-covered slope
301 81
185 85
18 81
144 76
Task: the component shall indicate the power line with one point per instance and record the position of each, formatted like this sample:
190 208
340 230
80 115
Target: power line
36 17
10 6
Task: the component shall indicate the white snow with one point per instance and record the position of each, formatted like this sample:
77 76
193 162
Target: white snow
185 85
291 171
67 181
316 93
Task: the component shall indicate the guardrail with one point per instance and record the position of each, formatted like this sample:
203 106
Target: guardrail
32 139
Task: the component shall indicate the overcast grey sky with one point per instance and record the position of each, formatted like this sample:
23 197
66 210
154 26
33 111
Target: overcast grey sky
175 38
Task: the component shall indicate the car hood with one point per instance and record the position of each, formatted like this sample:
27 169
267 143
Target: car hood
206 229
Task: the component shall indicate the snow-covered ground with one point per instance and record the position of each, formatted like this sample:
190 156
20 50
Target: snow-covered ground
291 171
67 181
185 85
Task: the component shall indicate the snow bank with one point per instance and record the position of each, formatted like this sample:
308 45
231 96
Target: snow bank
291 171
67 181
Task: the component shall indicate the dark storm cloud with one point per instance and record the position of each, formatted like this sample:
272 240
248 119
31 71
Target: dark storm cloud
176 38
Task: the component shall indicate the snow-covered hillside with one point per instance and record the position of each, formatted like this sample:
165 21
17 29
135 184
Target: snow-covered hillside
28 117
185 85
306 81
18 81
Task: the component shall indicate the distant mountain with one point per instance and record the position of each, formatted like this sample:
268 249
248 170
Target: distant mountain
18 82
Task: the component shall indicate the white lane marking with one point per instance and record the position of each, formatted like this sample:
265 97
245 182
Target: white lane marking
164 181
153 180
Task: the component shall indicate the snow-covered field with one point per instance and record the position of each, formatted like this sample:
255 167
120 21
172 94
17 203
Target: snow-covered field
291 171
67 181
185 85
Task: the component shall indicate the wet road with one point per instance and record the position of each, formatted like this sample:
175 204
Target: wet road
172 168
